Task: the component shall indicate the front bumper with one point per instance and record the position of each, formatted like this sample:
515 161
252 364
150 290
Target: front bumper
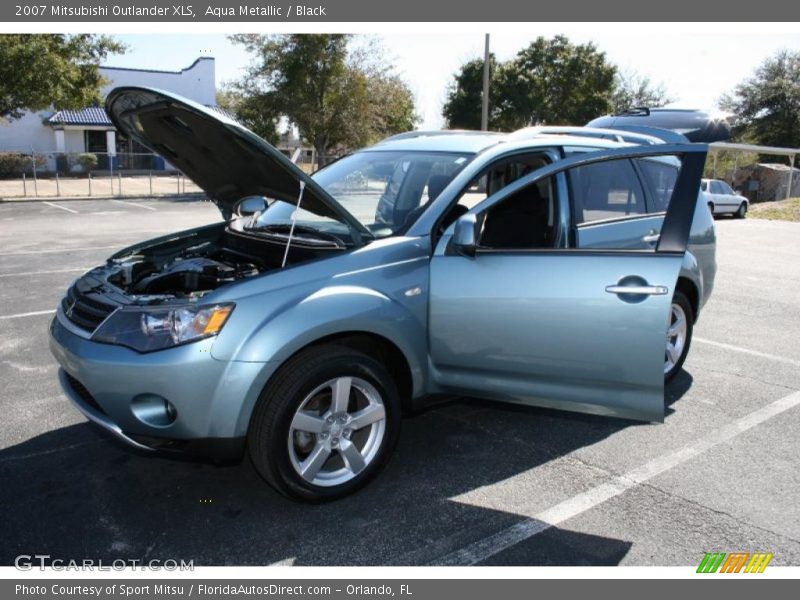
212 399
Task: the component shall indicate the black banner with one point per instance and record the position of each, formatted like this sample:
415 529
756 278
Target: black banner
233 11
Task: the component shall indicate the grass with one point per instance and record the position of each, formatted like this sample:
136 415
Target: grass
780 210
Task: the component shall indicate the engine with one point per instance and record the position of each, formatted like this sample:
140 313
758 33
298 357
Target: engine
181 276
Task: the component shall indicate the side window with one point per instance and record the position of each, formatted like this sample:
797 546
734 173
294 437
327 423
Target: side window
605 190
659 177
716 188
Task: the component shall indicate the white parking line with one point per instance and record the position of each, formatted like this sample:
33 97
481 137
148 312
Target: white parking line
774 357
572 507
54 205
27 314
28 273
59 250
134 204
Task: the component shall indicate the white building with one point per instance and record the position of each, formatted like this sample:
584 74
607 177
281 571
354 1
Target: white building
90 130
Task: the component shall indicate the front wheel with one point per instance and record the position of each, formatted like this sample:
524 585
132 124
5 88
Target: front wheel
325 425
679 335
740 214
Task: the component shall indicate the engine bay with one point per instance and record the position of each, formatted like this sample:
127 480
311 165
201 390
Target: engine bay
192 265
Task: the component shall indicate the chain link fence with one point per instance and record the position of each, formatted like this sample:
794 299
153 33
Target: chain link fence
89 174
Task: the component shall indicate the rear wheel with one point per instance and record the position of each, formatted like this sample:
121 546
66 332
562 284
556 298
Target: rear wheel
325 425
740 214
711 208
679 334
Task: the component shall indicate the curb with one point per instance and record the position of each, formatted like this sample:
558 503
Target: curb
173 197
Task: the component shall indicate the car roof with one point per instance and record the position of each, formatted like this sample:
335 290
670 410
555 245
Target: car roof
466 141
474 142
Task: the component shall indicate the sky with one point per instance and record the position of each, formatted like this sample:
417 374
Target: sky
696 63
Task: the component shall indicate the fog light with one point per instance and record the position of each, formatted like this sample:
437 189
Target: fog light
154 410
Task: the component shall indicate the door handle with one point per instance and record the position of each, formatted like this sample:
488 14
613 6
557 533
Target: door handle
638 290
651 237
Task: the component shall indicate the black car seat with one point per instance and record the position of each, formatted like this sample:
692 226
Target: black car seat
520 221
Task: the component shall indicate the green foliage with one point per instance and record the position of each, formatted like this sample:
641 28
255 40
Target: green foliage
14 164
767 104
551 82
251 111
724 164
87 161
462 109
335 97
40 70
66 162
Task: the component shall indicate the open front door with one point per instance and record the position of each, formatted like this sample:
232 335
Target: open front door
571 328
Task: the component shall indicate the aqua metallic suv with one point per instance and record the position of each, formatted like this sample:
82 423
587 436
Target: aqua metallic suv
548 269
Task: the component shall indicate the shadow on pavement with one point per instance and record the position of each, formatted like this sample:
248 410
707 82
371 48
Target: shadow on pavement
72 494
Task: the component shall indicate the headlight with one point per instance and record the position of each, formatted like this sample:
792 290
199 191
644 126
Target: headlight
148 329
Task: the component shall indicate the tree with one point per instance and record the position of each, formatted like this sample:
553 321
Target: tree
555 82
551 82
462 109
252 111
632 89
43 70
336 98
767 104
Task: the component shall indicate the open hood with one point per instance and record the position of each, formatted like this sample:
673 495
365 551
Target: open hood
225 159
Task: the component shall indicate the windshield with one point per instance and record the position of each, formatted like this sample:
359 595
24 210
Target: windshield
387 190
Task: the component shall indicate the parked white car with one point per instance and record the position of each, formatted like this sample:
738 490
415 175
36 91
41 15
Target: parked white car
722 200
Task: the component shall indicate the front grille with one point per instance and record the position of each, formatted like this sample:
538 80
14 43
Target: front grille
83 393
86 310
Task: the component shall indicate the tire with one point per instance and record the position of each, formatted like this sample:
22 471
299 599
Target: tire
742 212
280 450
680 306
711 209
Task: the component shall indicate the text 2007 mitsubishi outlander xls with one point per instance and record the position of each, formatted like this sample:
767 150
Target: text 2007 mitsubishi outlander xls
563 271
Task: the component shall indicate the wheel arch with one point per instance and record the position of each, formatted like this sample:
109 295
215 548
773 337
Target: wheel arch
690 290
376 346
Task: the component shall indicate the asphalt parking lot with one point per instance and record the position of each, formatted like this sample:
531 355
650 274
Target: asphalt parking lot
470 483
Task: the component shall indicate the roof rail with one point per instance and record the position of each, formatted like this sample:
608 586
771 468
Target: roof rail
409 135
666 136
616 135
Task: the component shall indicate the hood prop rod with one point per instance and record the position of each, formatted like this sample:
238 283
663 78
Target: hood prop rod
294 220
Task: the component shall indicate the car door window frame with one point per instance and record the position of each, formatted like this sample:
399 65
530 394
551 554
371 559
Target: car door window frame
627 217
649 193
677 222
553 154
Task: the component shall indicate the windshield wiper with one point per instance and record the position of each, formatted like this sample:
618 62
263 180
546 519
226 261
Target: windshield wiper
307 235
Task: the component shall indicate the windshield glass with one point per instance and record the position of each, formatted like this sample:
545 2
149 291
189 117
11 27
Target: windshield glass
387 190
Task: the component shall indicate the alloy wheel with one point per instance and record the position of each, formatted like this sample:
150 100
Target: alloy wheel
337 431
676 337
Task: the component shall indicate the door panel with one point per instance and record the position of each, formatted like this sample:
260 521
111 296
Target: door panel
576 328
630 234
541 329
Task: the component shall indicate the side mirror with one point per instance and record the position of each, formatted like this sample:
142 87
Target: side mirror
251 205
465 236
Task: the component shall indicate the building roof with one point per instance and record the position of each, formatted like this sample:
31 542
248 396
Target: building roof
93 115
97 116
